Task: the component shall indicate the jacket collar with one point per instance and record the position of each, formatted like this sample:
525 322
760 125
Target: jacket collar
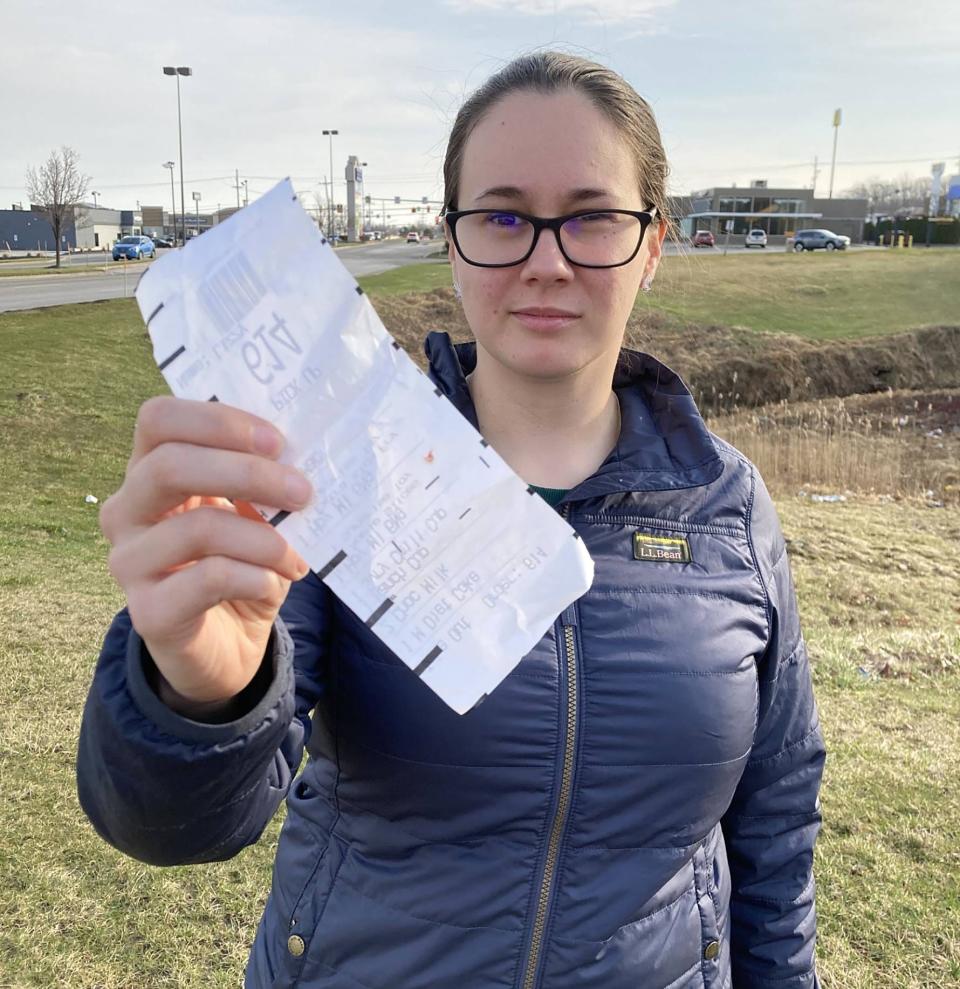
663 445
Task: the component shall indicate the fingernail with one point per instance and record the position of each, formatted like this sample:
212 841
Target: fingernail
303 568
267 441
298 488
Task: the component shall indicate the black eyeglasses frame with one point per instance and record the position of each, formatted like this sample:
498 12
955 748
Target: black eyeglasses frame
554 223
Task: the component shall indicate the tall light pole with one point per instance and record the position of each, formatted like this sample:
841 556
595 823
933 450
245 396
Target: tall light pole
180 70
94 194
329 134
173 201
833 163
196 202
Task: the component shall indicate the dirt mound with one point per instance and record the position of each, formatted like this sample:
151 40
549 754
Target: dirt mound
733 366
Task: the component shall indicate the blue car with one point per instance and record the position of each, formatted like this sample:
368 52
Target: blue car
134 247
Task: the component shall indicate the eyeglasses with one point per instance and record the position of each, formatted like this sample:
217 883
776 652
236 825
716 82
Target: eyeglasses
496 238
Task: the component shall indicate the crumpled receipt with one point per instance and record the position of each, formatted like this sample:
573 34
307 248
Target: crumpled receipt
417 525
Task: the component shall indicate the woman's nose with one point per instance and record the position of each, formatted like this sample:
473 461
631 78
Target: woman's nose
547 260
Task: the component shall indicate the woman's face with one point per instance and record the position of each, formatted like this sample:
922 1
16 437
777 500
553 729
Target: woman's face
548 155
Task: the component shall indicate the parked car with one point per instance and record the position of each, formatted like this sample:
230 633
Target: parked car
133 247
162 242
413 237
703 238
811 240
755 238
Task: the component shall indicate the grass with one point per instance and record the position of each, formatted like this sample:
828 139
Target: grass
411 278
894 444
877 587
814 294
68 269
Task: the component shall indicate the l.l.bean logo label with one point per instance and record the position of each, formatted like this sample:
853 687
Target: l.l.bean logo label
661 549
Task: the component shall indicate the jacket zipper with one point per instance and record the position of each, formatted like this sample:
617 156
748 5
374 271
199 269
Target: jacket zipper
563 805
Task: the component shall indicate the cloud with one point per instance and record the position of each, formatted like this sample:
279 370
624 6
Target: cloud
584 11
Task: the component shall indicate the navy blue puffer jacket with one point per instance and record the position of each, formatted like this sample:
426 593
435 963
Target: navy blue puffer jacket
634 807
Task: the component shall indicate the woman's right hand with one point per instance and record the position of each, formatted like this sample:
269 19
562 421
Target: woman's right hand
203 583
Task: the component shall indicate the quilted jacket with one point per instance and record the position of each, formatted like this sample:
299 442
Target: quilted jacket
634 807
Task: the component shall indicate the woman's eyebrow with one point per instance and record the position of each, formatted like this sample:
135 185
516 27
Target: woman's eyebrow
512 192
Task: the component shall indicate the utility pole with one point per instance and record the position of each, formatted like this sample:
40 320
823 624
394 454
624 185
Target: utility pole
833 163
236 175
816 172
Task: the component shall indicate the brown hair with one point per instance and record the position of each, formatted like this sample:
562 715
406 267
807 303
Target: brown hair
610 93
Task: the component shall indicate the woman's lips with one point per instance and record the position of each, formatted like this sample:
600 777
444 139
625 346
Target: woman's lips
544 319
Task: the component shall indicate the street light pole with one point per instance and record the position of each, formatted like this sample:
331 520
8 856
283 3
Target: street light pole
833 161
94 194
329 134
196 201
173 201
180 70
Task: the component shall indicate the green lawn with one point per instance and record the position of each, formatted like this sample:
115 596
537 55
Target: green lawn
814 294
85 269
76 914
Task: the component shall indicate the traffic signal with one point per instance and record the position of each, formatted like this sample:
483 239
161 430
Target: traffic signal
366 199
339 207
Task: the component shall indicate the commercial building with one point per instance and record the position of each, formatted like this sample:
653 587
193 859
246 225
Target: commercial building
779 212
28 230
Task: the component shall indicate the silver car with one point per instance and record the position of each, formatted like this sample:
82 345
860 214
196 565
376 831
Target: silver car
811 240
755 238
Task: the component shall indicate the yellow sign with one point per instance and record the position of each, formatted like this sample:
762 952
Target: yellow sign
836 117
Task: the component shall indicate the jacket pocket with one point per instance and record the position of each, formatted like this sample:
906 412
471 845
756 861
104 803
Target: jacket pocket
708 878
308 858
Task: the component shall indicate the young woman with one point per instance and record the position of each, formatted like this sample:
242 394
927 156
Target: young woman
636 804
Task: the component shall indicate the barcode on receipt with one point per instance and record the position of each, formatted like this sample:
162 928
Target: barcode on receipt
232 292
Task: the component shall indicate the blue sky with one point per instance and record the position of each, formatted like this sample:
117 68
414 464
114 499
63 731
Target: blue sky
742 90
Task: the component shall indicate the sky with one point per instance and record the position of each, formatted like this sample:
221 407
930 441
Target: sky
742 90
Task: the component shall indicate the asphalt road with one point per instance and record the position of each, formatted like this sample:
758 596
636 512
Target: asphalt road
38 291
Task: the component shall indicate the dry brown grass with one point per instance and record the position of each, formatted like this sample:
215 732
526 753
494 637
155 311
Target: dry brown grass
898 444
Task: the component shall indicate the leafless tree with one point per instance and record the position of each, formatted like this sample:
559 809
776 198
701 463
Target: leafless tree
58 187
900 195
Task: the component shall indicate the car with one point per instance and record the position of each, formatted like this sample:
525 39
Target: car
703 238
413 237
133 247
811 240
162 242
755 238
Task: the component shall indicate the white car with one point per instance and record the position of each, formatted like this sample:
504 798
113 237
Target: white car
755 238
413 237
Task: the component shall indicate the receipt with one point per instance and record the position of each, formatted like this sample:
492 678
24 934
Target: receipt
417 524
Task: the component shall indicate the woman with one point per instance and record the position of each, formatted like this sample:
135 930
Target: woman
636 804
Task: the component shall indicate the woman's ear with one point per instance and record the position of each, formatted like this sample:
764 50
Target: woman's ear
654 253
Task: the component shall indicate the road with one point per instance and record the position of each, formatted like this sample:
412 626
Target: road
39 291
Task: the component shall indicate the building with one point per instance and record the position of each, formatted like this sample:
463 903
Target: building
780 213
98 228
29 230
